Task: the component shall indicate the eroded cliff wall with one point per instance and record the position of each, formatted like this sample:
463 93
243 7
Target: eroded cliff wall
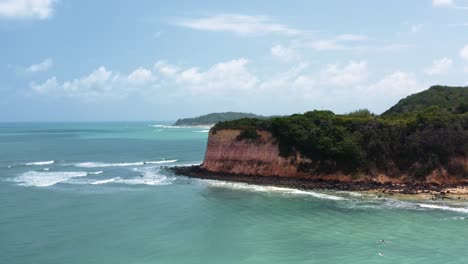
227 153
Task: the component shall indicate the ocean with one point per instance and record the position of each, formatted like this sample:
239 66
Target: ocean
101 193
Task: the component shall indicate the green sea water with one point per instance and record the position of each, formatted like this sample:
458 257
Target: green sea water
101 193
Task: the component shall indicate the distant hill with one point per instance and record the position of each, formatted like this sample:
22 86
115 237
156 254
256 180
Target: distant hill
214 118
453 99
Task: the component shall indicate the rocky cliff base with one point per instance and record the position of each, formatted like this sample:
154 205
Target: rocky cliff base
424 189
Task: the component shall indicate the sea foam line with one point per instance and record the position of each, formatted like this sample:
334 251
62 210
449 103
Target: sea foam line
445 208
91 164
260 188
40 163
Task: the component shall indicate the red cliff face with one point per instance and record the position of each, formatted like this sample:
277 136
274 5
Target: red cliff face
227 154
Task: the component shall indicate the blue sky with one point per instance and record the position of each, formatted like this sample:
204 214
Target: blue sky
70 60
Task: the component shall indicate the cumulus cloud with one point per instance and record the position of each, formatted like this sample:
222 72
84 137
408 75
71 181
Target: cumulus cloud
464 52
350 74
238 24
140 76
99 84
440 66
283 53
27 9
300 87
45 65
221 78
442 2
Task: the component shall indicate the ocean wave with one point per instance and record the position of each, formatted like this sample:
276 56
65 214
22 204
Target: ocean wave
40 163
168 126
91 164
44 179
104 181
444 207
273 189
95 172
160 161
202 131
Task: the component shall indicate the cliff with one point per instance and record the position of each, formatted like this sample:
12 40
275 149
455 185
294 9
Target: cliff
228 153
423 139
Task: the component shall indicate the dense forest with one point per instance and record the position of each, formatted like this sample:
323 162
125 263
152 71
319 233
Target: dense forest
214 118
423 132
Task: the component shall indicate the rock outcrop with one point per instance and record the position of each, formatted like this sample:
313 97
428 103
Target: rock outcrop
228 153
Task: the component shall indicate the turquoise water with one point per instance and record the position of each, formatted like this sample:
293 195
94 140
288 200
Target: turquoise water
99 193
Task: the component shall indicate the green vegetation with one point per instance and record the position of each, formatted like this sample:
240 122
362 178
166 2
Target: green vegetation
452 99
214 118
413 139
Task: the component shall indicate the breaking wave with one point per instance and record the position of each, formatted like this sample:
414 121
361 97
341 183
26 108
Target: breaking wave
122 164
274 189
445 208
44 179
40 163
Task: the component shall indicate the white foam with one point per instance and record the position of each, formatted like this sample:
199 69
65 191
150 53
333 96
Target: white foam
121 164
160 161
168 126
105 181
102 164
444 207
95 172
202 131
43 179
148 176
260 188
46 169
40 163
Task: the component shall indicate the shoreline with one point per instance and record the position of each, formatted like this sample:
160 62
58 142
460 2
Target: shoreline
414 190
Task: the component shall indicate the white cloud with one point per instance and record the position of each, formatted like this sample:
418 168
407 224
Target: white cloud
394 47
340 42
416 28
26 9
391 88
283 53
442 2
464 52
99 84
221 78
165 68
440 66
339 87
42 66
238 24
140 76
350 74
448 3
352 37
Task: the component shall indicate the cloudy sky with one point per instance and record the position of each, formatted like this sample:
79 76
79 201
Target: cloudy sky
75 60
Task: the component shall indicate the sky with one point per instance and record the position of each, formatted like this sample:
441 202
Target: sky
87 60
